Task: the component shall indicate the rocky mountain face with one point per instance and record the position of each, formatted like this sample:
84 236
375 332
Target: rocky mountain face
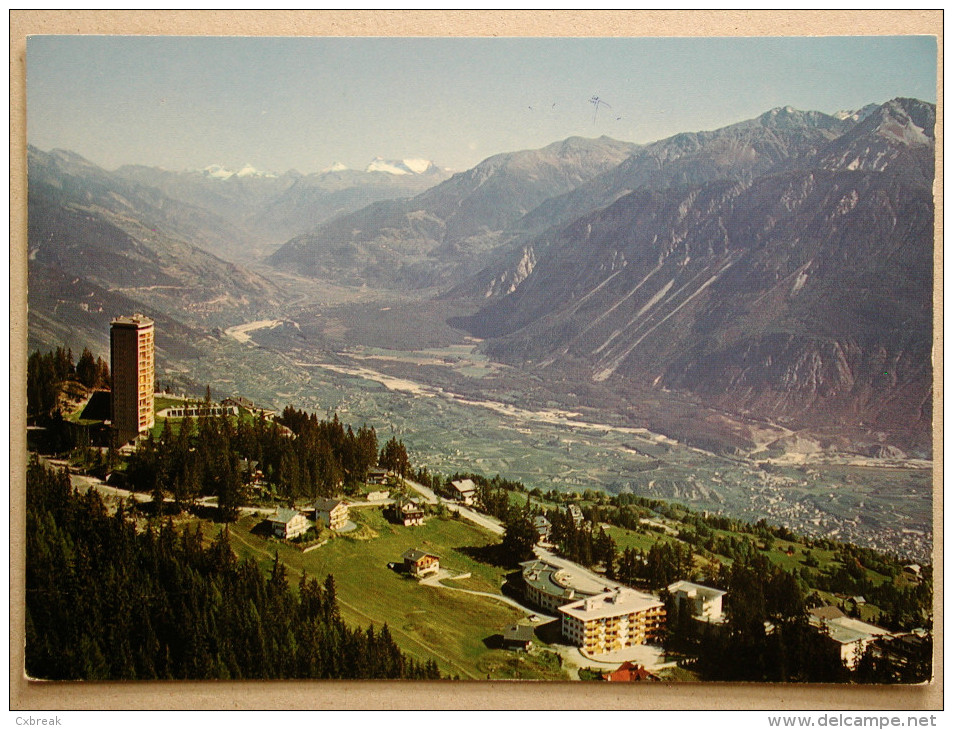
269 209
99 244
799 290
739 152
433 237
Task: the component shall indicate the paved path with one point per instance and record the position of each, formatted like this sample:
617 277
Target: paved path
491 524
427 494
434 581
83 482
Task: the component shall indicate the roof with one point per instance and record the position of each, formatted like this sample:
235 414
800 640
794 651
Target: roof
611 603
630 672
326 505
415 555
541 521
464 486
284 515
557 581
827 613
842 629
848 630
688 587
519 633
136 320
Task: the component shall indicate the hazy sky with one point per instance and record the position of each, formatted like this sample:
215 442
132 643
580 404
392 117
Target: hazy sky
281 103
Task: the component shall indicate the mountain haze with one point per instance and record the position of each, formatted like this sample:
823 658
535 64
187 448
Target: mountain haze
270 208
431 238
99 244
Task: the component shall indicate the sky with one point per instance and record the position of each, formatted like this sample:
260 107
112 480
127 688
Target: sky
305 103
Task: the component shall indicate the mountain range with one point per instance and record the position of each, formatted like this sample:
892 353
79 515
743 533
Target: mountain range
447 231
798 290
780 268
270 208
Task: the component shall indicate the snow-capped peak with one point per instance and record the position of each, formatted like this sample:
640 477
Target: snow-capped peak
249 171
856 115
335 167
418 166
410 166
218 172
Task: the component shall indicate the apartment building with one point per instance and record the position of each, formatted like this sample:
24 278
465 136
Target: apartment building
613 620
132 363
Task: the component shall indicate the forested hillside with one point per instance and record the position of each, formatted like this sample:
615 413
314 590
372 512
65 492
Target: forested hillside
157 604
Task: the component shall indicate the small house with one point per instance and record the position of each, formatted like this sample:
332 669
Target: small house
702 602
331 513
419 563
543 528
409 513
518 637
288 523
849 637
463 490
377 475
630 672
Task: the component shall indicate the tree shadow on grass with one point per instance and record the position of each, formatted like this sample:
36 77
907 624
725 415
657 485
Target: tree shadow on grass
489 554
262 529
493 642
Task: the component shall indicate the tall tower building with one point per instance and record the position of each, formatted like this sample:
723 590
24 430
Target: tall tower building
132 361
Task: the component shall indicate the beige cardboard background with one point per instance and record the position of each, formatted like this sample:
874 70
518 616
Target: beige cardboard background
304 695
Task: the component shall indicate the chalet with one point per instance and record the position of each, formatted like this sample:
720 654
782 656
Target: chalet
703 603
518 637
419 563
408 513
848 636
630 672
463 490
543 528
377 475
288 523
251 472
331 513
903 649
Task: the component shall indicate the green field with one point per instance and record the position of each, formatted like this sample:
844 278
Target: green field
428 623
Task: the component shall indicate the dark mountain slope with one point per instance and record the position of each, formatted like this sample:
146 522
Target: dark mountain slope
804 295
129 240
448 229
739 152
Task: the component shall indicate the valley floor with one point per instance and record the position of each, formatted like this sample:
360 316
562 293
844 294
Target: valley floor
458 412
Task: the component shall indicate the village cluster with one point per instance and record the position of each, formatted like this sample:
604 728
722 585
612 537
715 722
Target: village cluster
600 617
